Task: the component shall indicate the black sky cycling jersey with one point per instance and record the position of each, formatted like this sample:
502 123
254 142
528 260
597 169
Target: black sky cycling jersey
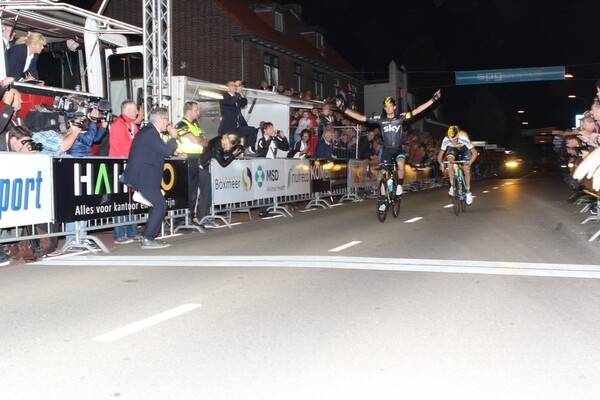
391 128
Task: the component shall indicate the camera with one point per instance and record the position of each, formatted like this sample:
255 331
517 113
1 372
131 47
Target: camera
76 108
34 146
238 146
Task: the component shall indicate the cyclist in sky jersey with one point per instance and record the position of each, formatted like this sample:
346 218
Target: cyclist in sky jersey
457 146
390 123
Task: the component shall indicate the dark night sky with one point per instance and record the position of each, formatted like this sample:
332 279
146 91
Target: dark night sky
435 38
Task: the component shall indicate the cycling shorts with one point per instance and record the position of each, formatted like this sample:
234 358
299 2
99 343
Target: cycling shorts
392 154
461 153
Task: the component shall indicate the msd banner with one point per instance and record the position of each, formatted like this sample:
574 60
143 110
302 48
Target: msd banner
25 189
248 180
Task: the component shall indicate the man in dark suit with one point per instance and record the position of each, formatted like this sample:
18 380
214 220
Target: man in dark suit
232 120
145 169
21 59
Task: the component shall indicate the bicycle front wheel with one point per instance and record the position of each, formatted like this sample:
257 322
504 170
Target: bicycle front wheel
396 203
382 200
457 195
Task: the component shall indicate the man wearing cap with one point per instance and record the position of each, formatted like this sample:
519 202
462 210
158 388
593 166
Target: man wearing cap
390 122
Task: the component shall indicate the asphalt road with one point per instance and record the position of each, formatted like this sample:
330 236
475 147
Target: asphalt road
497 303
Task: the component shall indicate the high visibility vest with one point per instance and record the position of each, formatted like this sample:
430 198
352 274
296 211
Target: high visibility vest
184 145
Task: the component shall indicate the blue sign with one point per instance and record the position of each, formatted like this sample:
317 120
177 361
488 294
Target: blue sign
509 75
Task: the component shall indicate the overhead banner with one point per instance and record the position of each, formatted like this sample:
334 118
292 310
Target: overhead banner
509 75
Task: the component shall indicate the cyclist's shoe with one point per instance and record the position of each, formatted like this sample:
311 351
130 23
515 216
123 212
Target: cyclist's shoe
399 190
469 199
382 207
451 191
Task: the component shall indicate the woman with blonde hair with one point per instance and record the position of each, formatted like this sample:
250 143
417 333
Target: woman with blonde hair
21 59
224 149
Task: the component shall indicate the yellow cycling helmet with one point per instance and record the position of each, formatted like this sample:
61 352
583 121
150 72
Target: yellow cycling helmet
452 131
389 100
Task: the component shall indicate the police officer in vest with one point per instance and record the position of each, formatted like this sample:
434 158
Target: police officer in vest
192 142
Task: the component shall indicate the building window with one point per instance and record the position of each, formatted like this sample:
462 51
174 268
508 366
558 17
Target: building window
318 79
319 40
271 69
298 77
278 21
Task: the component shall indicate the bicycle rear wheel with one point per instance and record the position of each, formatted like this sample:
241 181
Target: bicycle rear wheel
382 199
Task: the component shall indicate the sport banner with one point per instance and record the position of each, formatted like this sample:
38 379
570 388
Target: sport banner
25 189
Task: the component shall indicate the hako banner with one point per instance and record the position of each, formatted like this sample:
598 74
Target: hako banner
89 188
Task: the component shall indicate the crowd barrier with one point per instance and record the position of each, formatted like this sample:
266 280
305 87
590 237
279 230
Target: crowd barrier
74 197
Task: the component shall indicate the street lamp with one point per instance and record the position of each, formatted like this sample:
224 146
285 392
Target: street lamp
572 96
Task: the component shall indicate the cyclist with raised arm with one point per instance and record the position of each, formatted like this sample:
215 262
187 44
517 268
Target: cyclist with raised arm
457 146
390 123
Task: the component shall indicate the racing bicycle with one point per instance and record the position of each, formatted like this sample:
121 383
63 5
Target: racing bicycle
460 185
388 182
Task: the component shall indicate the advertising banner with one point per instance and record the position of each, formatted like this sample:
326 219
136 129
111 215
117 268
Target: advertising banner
297 177
89 188
232 184
328 175
25 189
361 174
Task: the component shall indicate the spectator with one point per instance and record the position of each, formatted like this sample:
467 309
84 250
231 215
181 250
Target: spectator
224 149
325 117
8 34
264 85
302 147
304 123
271 140
325 147
232 120
144 172
192 142
123 130
21 59
365 145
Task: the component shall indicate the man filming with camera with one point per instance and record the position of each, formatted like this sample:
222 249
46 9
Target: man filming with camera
93 130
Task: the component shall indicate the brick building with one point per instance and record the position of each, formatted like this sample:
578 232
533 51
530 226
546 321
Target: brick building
217 40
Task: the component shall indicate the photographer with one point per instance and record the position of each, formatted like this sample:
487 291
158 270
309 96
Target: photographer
17 139
11 104
93 130
56 143
271 139
224 149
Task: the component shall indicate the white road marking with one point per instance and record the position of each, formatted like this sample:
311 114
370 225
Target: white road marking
449 205
485 191
145 323
335 262
415 219
345 246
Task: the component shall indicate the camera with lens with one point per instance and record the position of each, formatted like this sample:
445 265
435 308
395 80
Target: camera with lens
34 146
238 146
76 108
